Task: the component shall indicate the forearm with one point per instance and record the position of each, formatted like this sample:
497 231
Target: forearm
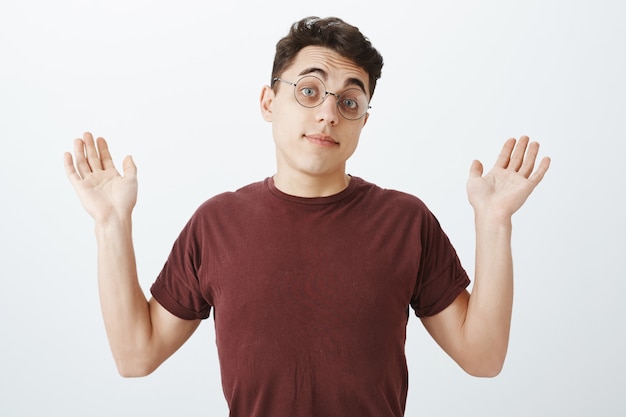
124 306
487 324
474 329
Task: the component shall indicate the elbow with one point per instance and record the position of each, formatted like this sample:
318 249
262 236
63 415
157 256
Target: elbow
126 372
133 372
488 367
484 371
485 359
134 368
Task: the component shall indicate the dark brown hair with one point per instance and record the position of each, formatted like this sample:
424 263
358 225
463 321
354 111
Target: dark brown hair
332 33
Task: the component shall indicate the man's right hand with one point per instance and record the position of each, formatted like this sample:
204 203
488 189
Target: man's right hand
103 192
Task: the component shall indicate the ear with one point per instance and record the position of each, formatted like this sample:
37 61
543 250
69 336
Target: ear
267 98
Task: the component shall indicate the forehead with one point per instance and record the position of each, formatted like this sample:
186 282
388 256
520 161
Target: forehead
330 62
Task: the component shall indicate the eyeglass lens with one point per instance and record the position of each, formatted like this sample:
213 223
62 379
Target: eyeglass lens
310 91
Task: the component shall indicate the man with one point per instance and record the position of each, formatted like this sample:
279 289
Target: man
311 272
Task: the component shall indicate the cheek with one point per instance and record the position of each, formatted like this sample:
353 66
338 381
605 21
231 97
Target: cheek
355 133
290 122
285 127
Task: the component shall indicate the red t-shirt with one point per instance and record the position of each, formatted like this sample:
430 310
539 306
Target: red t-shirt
311 296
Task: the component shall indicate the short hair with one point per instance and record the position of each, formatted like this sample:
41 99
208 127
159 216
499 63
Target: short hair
332 33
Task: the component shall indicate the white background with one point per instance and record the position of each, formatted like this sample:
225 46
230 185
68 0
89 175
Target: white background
176 84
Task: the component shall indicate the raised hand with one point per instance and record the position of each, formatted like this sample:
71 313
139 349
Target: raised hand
103 192
505 188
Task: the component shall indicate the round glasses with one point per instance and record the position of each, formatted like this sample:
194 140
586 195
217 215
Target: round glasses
310 92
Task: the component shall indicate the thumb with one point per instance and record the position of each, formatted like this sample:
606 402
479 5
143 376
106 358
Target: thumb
130 169
476 170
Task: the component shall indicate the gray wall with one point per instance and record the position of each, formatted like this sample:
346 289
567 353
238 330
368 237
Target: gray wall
177 87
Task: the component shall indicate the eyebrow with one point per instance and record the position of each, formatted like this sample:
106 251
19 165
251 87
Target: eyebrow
349 82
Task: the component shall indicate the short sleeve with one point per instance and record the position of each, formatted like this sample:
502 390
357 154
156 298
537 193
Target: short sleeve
441 277
177 288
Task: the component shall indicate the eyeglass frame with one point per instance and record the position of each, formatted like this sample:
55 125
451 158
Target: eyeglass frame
326 94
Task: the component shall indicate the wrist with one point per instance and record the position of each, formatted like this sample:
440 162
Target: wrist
112 223
493 219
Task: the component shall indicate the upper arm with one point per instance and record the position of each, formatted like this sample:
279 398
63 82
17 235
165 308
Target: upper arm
169 333
446 327
477 340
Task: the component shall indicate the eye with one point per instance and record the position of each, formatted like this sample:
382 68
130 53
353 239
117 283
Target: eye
350 104
308 92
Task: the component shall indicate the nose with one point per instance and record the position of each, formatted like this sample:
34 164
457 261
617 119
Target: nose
327 111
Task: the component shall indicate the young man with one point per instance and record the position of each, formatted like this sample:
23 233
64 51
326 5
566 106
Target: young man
310 273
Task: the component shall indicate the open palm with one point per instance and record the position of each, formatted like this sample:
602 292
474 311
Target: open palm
505 188
101 189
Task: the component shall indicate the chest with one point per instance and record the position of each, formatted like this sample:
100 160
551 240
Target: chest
339 268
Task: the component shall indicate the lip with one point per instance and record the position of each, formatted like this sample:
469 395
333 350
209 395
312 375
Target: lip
322 140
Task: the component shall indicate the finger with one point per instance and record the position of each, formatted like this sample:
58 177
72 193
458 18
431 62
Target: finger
476 169
70 170
81 162
105 155
130 169
92 153
541 171
505 153
529 159
517 158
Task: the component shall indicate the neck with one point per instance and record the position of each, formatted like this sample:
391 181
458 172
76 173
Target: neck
311 186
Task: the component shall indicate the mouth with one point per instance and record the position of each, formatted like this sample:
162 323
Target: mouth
322 140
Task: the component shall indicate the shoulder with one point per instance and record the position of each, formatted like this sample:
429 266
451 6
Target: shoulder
391 198
224 205
227 199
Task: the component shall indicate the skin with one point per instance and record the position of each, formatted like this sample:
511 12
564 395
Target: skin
313 144
474 329
312 147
